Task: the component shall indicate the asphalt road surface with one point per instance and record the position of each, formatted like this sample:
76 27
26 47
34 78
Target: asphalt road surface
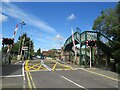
13 77
69 79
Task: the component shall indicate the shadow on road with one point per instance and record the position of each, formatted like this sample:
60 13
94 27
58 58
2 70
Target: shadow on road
11 69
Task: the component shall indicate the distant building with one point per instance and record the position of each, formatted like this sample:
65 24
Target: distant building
53 53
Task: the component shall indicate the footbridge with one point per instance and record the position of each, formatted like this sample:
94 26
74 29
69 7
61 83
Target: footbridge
102 46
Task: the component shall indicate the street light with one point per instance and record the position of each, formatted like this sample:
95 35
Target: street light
22 24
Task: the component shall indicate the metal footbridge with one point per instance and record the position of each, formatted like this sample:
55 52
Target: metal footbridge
102 44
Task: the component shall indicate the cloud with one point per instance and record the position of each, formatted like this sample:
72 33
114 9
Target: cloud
3 18
18 13
71 17
5 0
58 37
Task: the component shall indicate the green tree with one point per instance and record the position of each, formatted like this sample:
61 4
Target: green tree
27 42
15 48
38 52
108 23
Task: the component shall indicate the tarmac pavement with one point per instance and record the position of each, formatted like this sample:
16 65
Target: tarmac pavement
12 76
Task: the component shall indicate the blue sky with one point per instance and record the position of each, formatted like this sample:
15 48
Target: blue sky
47 22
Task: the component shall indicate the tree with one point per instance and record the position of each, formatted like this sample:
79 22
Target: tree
27 42
108 23
38 52
15 48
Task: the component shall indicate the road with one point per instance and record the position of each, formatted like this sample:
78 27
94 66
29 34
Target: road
69 79
53 74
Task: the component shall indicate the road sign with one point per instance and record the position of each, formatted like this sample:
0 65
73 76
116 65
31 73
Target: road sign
25 48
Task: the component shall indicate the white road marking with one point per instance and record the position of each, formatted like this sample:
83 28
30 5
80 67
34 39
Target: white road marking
42 62
18 62
23 73
74 83
12 76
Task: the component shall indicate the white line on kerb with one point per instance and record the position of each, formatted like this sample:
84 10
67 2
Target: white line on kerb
74 82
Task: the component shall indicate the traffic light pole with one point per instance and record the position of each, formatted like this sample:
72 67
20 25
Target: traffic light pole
90 57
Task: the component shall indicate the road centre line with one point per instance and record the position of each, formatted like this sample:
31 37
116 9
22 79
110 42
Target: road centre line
74 82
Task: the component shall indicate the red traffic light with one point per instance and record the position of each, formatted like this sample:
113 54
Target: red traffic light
91 43
8 41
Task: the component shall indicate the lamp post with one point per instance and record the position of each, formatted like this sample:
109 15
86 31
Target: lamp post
22 24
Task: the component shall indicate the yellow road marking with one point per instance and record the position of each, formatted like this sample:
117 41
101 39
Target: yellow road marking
57 63
66 66
54 67
39 67
33 66
29 83
26 65
102 75
29 67
32 80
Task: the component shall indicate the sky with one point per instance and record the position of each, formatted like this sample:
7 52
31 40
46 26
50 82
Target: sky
49 24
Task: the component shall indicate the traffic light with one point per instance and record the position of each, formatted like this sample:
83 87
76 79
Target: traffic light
10 41
91 43
7 41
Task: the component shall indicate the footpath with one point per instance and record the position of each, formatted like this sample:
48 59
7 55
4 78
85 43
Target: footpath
99 71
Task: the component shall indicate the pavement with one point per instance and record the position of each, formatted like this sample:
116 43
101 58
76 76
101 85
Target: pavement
98 71
12 76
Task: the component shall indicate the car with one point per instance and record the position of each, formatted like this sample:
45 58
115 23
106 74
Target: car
38 57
